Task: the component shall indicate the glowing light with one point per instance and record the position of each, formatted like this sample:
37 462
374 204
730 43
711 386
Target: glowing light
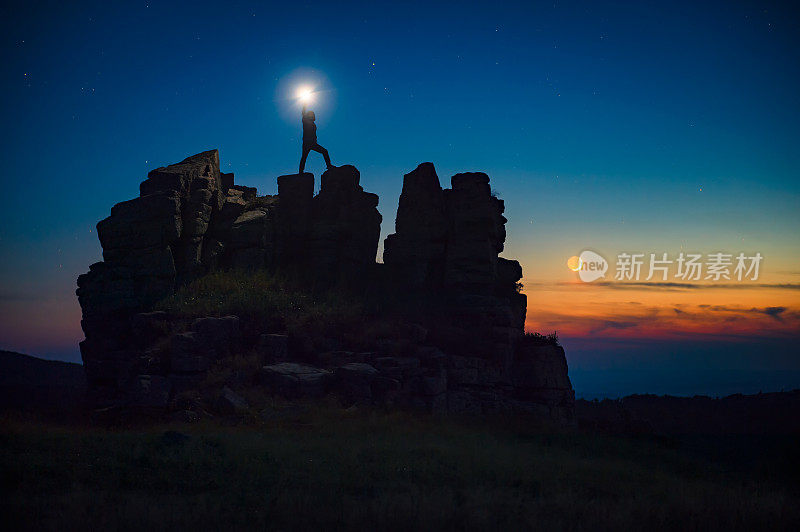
574 263
305 94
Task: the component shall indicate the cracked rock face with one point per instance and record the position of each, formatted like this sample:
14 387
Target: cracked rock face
448 241
416 252
149 244
191 219
345 226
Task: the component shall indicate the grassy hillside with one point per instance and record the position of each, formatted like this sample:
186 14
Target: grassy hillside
372 470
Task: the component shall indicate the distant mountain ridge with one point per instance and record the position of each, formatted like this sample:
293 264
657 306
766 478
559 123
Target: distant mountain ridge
756 414
29 383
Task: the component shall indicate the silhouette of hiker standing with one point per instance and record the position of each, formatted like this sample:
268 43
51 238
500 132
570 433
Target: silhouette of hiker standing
310 140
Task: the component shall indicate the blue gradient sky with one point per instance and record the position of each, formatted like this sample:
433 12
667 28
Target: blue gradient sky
614 126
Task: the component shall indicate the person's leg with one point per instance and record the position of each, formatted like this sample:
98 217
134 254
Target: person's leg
324 152
303 159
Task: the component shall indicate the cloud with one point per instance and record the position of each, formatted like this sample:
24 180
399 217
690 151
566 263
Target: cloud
645 285
607 323
669 321
773 312
7 295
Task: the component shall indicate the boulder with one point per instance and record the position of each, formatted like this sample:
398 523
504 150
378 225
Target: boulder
296 192
431 357
417 333
434 383
384 390
217 337
273 347
149 327
415 253
343 239
475 371
462 402
353 381
187 355
226 180
252 238
295 380
230 403
209 339
540 375
247 193
400 368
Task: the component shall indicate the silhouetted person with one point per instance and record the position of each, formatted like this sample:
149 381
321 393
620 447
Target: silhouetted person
310 140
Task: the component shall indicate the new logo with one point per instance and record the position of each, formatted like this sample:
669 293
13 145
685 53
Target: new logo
589 265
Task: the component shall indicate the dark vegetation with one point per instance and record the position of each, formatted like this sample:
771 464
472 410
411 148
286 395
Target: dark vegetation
331 468
268 302
316 321
542 339
295 465
351 317
753 433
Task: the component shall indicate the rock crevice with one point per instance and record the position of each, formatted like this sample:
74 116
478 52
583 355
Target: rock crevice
191 219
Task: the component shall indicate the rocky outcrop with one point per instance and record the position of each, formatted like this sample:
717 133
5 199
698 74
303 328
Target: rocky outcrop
416 252
467 353
540 379
346 226
190 219
230 403
447 242
292 380
294 212
150 244
196 184
249 240
333 235
208 340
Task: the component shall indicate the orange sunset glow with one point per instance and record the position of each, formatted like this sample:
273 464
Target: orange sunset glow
610 310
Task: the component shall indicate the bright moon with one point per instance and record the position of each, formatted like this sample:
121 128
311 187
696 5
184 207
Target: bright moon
305 94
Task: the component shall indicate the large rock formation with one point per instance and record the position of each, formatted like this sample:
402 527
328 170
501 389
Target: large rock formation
190 219
417 251
466 353
448 241
346 226
334 234
149 244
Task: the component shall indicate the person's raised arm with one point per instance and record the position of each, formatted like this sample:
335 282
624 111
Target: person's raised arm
304 110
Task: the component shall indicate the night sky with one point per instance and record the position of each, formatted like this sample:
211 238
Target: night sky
617 127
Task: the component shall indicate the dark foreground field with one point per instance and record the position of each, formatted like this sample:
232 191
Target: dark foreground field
640 463
370 470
